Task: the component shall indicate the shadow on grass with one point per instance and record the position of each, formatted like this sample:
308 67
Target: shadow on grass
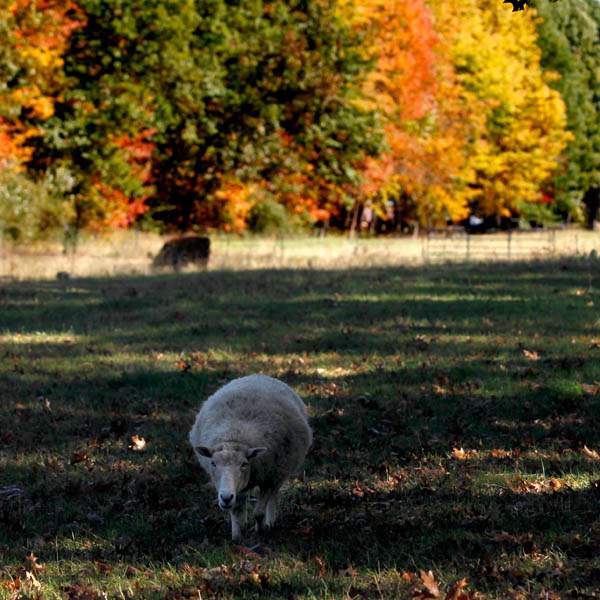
398 367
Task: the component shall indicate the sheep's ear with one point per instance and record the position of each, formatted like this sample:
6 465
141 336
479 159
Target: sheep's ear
254 452
204 451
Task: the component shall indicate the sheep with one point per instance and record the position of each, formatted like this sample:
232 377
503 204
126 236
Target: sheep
252 432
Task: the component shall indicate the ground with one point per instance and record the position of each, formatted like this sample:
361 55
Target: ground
456 419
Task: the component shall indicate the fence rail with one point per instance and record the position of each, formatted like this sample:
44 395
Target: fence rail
131 253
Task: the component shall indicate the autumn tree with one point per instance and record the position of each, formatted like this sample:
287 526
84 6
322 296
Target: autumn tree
569 37
240 101
497 64
33 37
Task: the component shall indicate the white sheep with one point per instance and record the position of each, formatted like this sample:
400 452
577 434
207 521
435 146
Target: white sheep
252 432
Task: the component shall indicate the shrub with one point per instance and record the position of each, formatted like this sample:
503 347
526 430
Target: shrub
268 216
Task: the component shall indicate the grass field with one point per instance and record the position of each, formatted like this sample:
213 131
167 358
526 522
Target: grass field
456 412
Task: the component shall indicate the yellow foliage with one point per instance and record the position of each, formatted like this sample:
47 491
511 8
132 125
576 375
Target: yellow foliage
522 131
235 201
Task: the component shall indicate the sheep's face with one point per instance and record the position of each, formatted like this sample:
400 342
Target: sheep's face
229 470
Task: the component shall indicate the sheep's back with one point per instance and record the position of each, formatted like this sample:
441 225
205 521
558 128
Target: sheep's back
258 411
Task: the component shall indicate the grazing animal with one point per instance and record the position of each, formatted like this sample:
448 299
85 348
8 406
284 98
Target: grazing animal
253 432
180 252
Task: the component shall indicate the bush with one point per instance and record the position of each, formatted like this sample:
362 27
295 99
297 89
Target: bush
33 210
268 216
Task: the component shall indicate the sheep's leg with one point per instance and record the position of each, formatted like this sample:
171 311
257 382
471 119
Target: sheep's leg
271 512
238 518
261 508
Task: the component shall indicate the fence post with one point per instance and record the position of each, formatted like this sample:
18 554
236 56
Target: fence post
425 248
508 244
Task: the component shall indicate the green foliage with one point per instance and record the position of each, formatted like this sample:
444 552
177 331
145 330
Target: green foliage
268 216
32 210
569 37
228 90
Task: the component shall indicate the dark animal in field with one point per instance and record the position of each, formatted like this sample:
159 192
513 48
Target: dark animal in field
183 251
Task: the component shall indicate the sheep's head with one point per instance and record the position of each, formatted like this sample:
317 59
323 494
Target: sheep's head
229 470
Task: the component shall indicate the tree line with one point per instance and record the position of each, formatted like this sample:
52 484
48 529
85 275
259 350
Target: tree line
255 114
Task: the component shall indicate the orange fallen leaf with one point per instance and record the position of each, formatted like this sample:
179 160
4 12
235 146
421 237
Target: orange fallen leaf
79 456
590 388
12 585
497 453
593 454
184 365
407 576
462 454
31 563
556 485
321 564
430 584
456 592
531 355
138 443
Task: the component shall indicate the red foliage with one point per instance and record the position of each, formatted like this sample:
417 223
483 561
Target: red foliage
121 209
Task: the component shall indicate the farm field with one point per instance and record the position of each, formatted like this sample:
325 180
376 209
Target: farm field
456 412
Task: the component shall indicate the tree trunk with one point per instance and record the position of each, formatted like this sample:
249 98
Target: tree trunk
591 199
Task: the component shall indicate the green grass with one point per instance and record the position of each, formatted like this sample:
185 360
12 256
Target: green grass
447 405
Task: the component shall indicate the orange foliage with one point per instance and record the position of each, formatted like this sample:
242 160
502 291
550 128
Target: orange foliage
234 204
120 210
413 85
40 31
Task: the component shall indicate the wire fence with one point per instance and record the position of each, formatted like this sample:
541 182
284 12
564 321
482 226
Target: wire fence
132 253
510 245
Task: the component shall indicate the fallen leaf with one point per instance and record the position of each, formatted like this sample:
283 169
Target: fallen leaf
321 564
456 590
500 453
138 443
31 581
407 576
593 454
103 567
590 388
462 454
183 364
556 485
76 591
12 585
79 456
432 589
31 563
531 355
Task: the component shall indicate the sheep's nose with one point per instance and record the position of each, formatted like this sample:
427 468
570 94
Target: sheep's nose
225 499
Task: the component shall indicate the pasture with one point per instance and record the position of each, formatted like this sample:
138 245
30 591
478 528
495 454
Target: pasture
456 411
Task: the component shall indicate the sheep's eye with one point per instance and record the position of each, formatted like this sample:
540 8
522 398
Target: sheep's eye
244 465
213 463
